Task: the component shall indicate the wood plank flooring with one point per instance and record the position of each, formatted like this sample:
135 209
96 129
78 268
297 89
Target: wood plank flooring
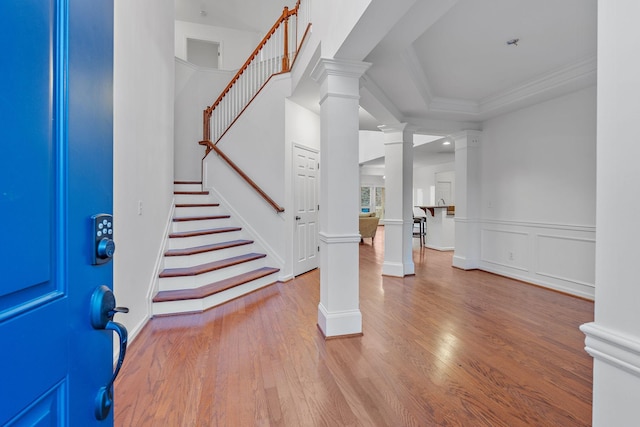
445 347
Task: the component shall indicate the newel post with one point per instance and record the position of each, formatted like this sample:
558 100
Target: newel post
285 56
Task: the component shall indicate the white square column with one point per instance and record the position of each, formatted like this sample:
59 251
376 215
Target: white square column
613 339
398 213
467 203
339 235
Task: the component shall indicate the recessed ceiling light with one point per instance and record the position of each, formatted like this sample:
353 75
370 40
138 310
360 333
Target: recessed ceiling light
446 143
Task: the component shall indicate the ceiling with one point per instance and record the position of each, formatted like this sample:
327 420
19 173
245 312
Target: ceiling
445 65
461 68
231 13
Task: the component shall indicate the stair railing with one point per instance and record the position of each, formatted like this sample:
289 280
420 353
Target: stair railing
275 54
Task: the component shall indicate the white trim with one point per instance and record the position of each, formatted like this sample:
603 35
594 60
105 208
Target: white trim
338 67
573 227
154 284
586 294
154 281
562 80
510 267
337 323
440 248
339 96
578 75
271 253
464 263
338 238
612 347
397 221
398 269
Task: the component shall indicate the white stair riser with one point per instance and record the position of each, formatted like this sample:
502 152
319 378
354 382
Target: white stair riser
198 211
207 239
187 187
204 224
198 199
205 257
186 306
191 282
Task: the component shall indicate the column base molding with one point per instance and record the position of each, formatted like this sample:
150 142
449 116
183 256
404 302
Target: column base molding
338 238
612 348
340 323
396 269
464 263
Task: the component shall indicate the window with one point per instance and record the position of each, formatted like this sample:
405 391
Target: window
365 199
372 200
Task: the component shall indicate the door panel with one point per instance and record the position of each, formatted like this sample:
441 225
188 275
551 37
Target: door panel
55 172
306 209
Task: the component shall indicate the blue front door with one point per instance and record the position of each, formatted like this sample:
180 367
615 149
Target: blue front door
55 173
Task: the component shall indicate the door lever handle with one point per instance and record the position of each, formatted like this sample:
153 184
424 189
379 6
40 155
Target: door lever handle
104 399
103 308
298 218
117 310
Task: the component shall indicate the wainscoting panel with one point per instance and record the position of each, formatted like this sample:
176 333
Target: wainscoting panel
506 249
557 256
563 258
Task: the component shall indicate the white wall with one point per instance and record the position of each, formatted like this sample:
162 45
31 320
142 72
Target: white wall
143 149
235 45
256 143
538 172
424 177
302 129
195 89
332 27
371 145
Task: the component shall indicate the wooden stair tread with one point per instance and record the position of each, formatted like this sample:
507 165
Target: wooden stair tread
210 266
200 218
207 248
191 192
180 234
187 182
197 205
213 288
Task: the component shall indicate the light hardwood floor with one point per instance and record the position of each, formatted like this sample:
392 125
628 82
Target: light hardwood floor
445 347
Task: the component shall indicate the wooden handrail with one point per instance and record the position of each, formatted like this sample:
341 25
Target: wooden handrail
235 167
227 121
286 13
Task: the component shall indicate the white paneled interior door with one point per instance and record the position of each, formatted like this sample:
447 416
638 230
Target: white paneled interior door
306 209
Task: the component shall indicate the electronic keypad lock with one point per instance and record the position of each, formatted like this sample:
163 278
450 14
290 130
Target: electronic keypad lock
103 244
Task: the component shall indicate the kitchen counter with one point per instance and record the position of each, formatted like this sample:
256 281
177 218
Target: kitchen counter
440 227
451 210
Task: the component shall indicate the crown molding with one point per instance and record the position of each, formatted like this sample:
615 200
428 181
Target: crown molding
572 77
558 82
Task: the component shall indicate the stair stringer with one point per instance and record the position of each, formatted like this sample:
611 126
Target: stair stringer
181 294
154 285
261 244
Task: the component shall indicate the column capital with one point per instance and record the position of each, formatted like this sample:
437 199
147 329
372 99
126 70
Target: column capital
398 133
326 67
467 138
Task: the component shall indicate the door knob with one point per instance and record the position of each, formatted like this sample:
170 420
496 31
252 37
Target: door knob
103 308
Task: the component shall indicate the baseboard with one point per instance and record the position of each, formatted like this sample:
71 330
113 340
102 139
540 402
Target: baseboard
337 324
440 248
396 269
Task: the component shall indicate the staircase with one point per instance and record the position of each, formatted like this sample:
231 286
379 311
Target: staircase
209 261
